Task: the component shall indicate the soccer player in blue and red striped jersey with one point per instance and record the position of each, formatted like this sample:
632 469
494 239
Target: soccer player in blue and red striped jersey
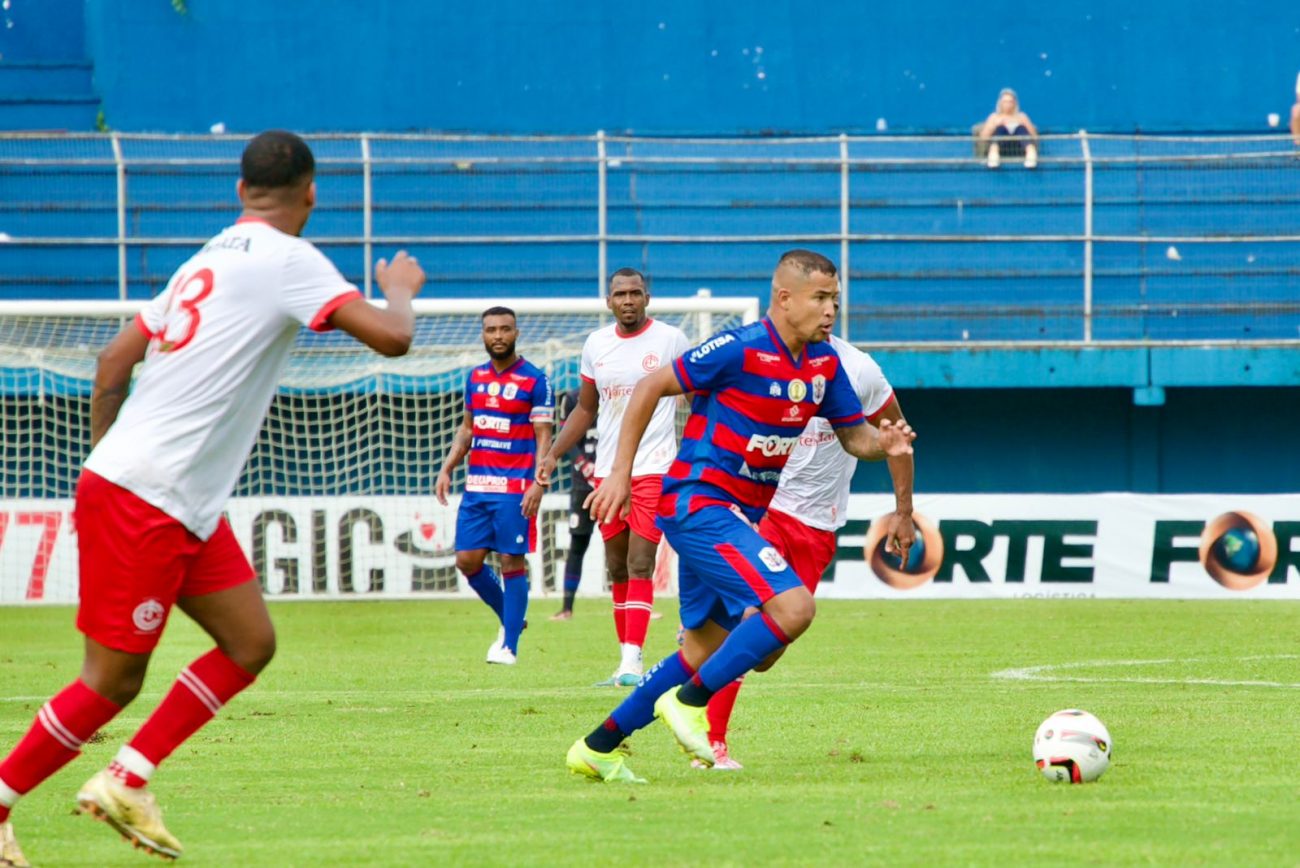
756 387
509 414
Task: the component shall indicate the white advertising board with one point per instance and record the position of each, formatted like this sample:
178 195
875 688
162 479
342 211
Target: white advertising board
973 546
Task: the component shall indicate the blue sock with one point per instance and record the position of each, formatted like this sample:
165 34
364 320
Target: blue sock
746 647
638 709
516 607
488 588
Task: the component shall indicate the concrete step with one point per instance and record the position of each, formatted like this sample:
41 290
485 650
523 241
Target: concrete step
69 112
36 78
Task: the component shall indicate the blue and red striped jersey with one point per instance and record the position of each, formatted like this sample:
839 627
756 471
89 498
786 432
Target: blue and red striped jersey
752 401
503 405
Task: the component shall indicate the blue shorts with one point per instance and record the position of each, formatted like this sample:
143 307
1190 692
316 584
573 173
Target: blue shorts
724 566
495 522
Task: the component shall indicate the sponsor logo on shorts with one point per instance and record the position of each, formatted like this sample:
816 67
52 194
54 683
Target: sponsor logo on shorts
772 559
574 520
148 616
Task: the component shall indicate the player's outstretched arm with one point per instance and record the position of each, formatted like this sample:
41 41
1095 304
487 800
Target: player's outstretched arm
388 330
610 500
867 444
113 378
460 444
575 428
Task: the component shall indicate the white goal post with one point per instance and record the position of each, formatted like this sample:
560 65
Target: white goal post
335 499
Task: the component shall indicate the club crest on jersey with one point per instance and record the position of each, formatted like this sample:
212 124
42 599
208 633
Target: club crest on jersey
798 390
772 559
650 363
774 390
509 391
494 389
819 388
148 616
480 388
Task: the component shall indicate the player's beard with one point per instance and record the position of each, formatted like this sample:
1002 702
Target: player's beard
503 354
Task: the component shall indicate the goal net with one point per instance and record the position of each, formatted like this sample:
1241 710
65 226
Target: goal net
336 498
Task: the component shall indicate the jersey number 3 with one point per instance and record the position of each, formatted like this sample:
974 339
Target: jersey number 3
183 309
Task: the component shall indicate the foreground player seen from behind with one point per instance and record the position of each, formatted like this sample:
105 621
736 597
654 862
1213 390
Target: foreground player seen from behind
757 387
150 533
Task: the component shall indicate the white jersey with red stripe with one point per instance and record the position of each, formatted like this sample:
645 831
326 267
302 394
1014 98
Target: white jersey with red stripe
615 363
814 486
219 337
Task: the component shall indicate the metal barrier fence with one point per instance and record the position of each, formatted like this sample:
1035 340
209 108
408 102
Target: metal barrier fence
1137 239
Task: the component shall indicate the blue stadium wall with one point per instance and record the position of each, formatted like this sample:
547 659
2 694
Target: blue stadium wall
1214 423
661 67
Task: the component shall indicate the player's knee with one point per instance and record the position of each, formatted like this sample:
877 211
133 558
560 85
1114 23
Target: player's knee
119 688
794 611
254 650
641 567
468 563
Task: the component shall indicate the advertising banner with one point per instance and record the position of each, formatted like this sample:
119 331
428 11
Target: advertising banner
969 546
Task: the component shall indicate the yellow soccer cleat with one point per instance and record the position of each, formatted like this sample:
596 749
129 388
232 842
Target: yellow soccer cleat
133 812
609 767
11 856
689 724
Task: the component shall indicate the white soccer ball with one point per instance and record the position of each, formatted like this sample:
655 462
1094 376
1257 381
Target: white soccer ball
1072 746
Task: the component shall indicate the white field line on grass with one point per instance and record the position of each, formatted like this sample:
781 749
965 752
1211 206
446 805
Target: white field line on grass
1049 672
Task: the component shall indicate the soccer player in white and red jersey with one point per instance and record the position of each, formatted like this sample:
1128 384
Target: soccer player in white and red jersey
614 359
811 503
150 532
756 388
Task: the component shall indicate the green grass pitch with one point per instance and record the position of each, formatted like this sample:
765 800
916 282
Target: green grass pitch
379 737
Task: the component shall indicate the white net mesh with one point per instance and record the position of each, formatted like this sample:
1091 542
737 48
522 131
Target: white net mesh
345 422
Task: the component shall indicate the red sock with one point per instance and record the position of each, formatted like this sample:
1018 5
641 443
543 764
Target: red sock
620 610
640 604
62 726
720 706
198 694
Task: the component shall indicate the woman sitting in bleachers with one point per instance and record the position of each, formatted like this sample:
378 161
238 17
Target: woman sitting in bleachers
1009 132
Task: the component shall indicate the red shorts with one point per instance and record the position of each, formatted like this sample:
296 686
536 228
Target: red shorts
808 550
645 505
136 561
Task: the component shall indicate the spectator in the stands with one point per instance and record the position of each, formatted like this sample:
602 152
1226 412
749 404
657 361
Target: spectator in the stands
1009 132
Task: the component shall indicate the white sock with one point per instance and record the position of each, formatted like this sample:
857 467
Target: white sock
632 660
8 795
134 762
